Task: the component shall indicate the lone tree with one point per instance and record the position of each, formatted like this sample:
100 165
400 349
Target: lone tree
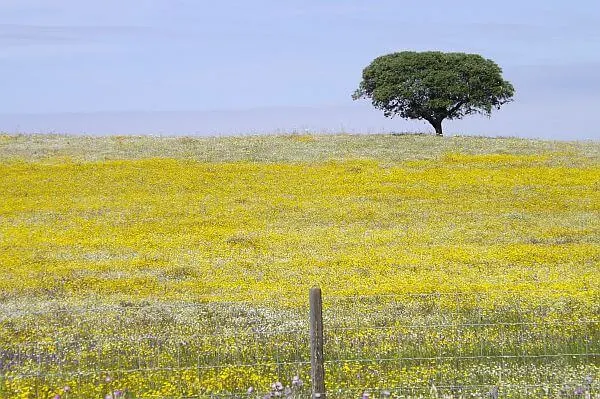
434 86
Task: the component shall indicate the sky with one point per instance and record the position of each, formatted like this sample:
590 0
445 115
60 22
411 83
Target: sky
270 66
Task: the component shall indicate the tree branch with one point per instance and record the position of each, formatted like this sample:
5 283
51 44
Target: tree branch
456 107
427 118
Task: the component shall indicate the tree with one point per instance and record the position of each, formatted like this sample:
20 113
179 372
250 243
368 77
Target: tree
434 86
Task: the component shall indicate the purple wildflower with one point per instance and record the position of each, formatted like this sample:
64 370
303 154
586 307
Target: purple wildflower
296 381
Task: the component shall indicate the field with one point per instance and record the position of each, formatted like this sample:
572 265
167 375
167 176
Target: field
180 267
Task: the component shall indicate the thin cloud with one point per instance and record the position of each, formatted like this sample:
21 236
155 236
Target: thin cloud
27 35
532 31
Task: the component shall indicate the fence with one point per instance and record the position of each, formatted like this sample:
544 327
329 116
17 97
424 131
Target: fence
403 346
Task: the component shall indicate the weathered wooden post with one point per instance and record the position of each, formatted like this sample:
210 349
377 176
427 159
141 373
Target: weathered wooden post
317 368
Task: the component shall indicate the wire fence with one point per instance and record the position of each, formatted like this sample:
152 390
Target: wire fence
458 345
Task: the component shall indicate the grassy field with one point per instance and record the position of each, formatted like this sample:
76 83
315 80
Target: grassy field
131 257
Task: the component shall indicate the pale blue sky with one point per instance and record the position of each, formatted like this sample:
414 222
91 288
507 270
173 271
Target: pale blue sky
115 66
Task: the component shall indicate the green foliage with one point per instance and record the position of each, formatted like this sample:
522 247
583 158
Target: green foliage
434 86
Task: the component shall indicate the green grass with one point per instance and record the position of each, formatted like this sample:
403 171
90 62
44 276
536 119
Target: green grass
284 148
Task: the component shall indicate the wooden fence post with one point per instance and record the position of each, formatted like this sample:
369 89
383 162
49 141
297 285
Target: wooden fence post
317 368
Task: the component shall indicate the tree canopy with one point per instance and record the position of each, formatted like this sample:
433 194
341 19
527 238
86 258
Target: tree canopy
434 86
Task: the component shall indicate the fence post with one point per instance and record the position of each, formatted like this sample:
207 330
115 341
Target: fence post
317 368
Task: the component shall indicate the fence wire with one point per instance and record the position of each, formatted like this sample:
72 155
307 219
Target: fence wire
398 346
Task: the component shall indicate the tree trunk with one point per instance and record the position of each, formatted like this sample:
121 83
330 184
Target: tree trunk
437 125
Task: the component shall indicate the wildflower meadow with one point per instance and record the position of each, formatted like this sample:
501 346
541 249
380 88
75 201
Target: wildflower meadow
149 267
